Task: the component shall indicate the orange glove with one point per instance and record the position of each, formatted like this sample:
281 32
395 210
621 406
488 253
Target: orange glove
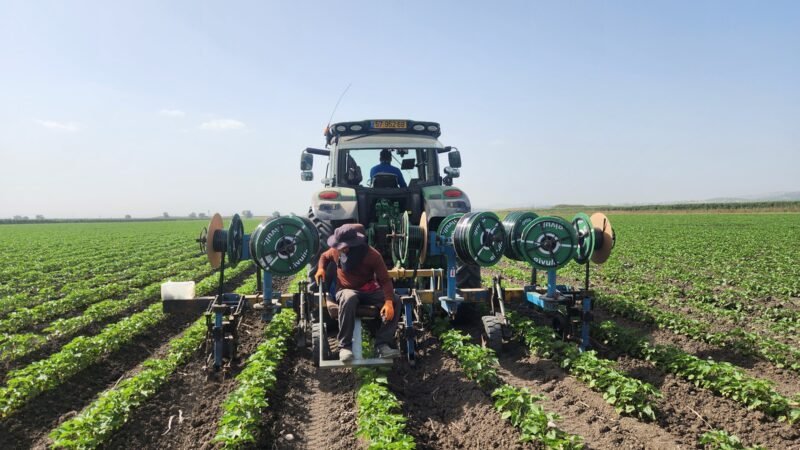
320 276
387 312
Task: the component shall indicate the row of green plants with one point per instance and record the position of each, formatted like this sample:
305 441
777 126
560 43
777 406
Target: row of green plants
722 378
26 317
517 405
722 440
779 354
633 306
740 314
696 260
97 422
238 426
69 263
628 396
26 383
99 274
380 422
38 260
74 254
19 345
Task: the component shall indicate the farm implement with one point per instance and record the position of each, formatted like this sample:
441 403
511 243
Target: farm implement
434 246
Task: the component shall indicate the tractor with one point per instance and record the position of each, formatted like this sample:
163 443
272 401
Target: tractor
422 225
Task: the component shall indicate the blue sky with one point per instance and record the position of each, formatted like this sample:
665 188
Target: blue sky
113 108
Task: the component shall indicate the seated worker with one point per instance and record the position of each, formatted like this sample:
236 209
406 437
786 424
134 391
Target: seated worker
386 166
361 278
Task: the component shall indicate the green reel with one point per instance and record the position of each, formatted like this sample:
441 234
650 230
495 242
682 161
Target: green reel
514 223
408 243
235 240
284 245
479 238
586 241
548 242
448 225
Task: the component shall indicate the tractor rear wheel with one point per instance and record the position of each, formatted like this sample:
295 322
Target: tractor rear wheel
492 333
316 342
468 275
325 229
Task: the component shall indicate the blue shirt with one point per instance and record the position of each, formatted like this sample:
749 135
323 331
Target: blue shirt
388 168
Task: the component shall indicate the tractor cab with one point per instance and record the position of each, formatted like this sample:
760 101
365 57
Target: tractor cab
379 170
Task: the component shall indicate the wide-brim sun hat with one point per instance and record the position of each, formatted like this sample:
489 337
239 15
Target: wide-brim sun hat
348 235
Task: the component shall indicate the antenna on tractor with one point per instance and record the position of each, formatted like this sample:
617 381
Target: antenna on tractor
330 119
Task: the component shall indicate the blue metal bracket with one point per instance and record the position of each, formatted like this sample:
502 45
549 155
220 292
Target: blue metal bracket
246 247
438 246
270 309
551 303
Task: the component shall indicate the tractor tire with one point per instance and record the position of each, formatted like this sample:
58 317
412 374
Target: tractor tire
325 229
492 333
468 276
316 342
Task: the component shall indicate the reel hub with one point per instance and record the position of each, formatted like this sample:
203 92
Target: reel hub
548 242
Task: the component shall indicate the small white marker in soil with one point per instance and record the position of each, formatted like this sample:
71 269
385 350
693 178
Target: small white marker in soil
289 437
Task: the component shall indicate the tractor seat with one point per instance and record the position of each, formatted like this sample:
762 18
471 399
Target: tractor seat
385 180
362 311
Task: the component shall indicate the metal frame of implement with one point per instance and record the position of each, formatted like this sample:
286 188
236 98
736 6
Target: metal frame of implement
281 245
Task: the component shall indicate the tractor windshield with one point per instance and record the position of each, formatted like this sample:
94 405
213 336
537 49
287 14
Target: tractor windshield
387 167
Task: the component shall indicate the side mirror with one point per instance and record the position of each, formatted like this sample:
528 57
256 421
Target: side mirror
454 158
407 164
452 172
306 161
307 175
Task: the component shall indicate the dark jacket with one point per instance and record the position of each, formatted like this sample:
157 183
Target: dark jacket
371 268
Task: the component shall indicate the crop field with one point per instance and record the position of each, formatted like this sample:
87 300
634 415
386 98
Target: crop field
695 345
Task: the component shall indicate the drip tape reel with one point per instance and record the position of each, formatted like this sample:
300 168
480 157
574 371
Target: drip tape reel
409 242
479 238
448 225
214 240
514 223
548 242
284 245
586 237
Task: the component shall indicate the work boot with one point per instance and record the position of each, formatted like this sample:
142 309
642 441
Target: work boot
384 351
345 355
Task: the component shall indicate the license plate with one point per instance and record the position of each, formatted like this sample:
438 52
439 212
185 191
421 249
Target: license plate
390 124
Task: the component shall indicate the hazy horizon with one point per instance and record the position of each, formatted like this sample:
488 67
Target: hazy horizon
144 107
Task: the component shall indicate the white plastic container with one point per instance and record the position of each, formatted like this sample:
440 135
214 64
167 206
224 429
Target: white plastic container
177 290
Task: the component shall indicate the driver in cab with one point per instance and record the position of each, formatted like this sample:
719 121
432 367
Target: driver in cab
385 166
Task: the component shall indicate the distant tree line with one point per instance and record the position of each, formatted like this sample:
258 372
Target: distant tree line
246 214
773 205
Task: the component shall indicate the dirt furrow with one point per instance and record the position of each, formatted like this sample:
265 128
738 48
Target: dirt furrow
689 411
446 410
186 412
785 381
28 427
583 411
312 408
